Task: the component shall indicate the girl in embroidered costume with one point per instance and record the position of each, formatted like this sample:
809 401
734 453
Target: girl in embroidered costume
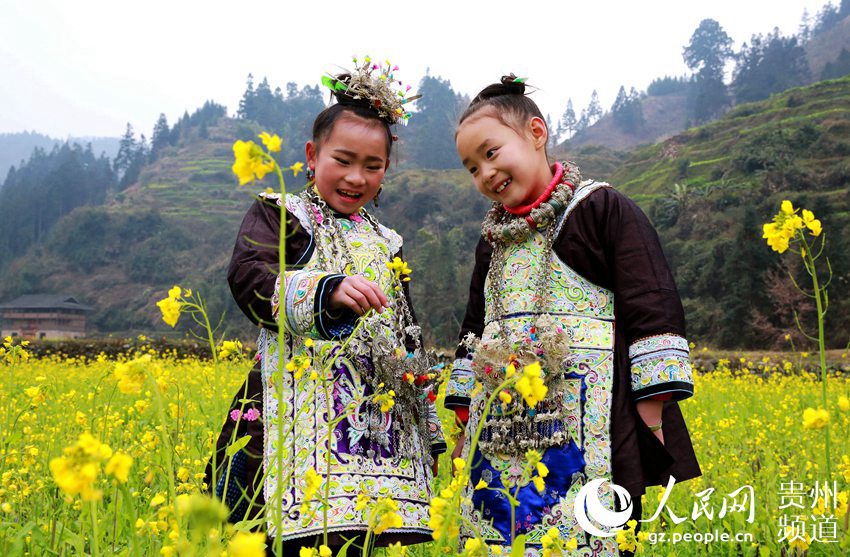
338 271
579 257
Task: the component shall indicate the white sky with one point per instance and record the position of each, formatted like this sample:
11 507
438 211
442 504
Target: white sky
87 67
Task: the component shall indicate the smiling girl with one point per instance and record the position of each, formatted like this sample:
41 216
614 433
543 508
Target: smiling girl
563 256
336 274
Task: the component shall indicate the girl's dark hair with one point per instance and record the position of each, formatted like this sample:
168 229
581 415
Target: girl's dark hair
324 122
509 102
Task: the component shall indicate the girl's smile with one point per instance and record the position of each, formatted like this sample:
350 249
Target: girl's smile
506 166
350 163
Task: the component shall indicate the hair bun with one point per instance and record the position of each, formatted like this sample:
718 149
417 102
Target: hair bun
342 95
508 85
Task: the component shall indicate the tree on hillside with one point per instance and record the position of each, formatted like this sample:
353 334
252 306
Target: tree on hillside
46 188
627 111
770 64
804 31
161 137
582 123
594 109
706 55
289 116
829 16
667 85
246 104
552 140
838 67
432 127
567 124
126 151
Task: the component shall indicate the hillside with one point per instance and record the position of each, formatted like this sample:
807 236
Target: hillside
824 48
663 115
17 147
709 189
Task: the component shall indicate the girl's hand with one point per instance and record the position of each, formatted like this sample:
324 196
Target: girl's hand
358 294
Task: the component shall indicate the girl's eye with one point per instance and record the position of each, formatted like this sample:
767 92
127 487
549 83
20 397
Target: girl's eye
374 168
340 161
473 169
490 152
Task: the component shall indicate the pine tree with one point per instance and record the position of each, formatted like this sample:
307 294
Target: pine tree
706 54
432 128
568 122
246 105
594 109
582 123
126 151
161 136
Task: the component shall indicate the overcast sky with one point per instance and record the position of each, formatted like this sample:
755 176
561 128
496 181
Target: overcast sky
87 67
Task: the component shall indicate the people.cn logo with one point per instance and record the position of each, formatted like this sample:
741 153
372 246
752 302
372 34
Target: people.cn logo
592 515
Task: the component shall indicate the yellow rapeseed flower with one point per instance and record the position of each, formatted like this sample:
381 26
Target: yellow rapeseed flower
170 308
385 515
247 544
132 375
313 481
272 142
815 419
531 385
251 162
399 268
230 349
77 470
296 168
844 403
119 466
474 547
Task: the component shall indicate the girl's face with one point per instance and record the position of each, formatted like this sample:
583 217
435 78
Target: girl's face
350 162
506 166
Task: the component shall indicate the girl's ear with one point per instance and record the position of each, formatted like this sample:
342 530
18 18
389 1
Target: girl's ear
539 133
311 151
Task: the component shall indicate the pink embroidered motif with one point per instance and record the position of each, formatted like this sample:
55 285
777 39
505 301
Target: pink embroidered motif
355 217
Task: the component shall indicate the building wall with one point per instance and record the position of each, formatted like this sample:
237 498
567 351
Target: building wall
43 324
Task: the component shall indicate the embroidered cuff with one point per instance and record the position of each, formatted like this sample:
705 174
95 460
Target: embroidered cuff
305 301
659 365
460 385
435 427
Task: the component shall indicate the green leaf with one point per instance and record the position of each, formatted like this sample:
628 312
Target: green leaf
518 547
520 80
764 551
340 86
343 552
237 445
328 81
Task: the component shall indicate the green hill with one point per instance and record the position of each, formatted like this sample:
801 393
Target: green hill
707 190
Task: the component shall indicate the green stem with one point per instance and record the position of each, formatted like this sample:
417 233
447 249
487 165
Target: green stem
326 502
821 349
281 317
95 536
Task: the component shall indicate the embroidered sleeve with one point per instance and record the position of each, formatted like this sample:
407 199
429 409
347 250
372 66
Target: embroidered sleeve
460 385
435 426
661 365
306 299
